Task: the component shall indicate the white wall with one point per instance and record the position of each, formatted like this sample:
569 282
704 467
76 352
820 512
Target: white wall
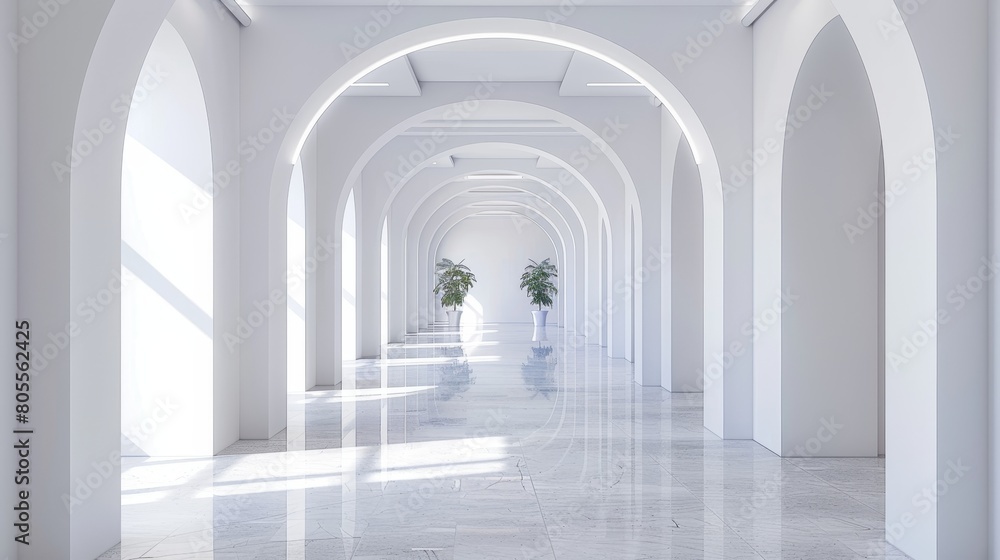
829 301
497 249
8 230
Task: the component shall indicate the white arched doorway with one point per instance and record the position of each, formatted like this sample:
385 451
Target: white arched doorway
167 260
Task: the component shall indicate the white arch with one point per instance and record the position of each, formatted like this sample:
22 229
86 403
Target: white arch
531 214
623 328
567 244
617 166
504 145
911 239
584 242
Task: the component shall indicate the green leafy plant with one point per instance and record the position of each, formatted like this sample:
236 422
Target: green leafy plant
454 282
537 280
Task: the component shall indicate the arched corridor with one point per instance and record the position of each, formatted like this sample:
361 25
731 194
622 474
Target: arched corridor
346 278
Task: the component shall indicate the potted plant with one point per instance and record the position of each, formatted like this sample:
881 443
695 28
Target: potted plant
537 280
454 282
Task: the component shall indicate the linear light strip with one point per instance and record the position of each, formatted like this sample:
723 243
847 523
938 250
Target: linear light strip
238 12
615 84
490 35
756 11
492 177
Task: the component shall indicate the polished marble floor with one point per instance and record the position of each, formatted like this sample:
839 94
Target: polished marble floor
489 444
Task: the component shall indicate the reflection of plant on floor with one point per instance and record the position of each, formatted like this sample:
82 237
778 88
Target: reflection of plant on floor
539 371
456 377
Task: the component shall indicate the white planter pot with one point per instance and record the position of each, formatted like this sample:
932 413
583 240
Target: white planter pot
539 334
455 318
539 317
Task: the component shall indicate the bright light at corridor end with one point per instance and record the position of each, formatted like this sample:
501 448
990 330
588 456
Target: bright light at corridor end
521 36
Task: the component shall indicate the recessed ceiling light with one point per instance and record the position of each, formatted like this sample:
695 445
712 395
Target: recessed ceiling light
614 84
370 84
492 177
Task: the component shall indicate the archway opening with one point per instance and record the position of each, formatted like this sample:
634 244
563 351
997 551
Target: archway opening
830 267
167 260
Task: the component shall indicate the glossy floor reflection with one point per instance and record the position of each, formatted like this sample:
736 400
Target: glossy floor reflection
488 444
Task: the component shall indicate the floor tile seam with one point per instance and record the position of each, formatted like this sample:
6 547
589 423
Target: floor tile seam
831 485
541 512
722 518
